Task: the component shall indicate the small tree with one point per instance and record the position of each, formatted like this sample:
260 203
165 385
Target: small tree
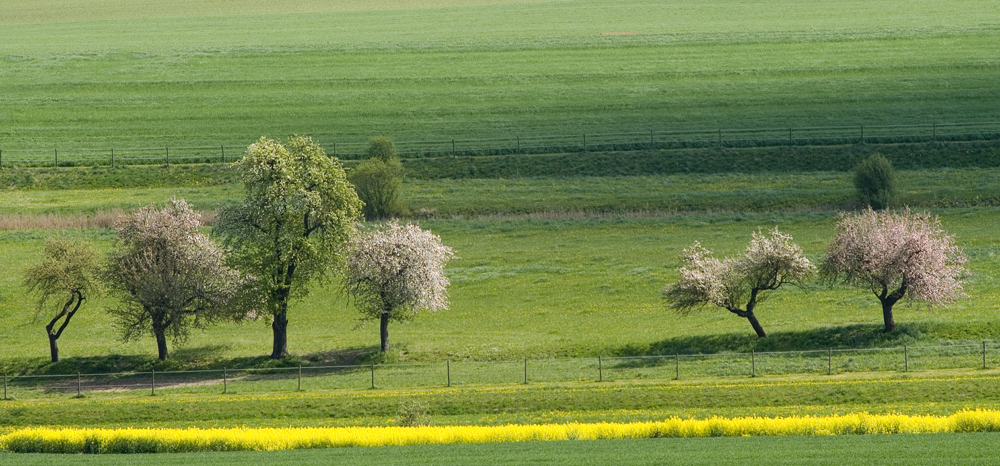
382 148
378 180
298 214
896 256
68 274
169 276
875 182
767 264
395 272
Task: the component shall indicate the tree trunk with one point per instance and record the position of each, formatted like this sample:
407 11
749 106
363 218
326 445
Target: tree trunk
890 324
161 344
280 329
50 330
756 325
888 300
53 347
384 331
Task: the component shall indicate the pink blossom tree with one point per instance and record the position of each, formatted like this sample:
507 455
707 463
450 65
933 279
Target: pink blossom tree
896 255
738 284
394 272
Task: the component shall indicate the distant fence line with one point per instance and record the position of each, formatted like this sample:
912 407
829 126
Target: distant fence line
732 138
471 373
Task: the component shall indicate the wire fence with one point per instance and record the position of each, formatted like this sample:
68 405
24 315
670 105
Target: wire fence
499 373
633 141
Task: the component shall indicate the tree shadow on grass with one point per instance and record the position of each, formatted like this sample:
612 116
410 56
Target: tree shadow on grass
836 337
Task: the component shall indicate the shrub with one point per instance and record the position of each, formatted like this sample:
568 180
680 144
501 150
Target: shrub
875 182
378 184
382 148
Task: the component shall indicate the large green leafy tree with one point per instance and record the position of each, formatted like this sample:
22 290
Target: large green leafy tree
290 230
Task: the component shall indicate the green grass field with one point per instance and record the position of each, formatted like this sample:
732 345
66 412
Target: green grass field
99 74
553 262
944 449
550 288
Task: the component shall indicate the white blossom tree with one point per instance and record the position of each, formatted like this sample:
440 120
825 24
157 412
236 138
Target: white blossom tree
298 213
896 255
169 275
738 284
394 272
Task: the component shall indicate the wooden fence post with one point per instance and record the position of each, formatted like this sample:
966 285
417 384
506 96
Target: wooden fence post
448 362
600 369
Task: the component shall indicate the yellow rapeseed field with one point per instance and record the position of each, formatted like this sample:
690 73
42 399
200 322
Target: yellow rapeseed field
59 440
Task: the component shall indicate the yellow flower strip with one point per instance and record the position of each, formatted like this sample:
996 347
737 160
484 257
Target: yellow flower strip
58 440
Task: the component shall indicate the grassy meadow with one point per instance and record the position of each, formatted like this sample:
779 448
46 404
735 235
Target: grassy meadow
98 74
941 449
558 255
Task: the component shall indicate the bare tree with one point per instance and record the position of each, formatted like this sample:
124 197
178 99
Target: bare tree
768 263
395 272
170 276
298 213
68 274
896 255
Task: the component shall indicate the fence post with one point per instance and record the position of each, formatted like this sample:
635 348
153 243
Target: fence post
934 132
225 379
448 362
5 386
112 157
829 361
56 151
453 155
335 149
906 360
600 369
168 155
1 158
152 383
526 371
677 366
519 144
373 375
753 363
223 147
78 383
300 378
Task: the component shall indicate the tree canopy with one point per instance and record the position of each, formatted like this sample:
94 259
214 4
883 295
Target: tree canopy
67 274
738 284
169 275
298 213
396 271
896 255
